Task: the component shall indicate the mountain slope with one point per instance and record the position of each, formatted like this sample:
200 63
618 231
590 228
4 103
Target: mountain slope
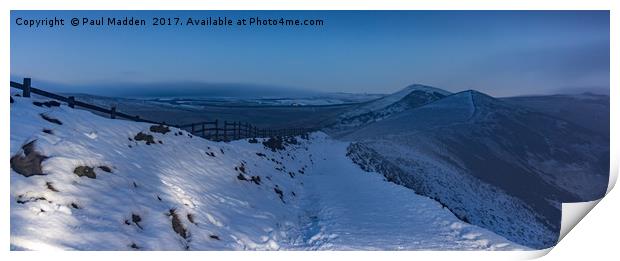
590 111
410 97
83 182
495 165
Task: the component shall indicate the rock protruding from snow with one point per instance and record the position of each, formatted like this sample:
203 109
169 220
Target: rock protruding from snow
28 161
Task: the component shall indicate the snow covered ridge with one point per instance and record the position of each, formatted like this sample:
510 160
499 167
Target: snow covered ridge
410 97
84 182
496 165
467 197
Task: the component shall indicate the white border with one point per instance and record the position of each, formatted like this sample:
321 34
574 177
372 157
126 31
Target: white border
585 244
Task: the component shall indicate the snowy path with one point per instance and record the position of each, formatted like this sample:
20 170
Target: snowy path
349 209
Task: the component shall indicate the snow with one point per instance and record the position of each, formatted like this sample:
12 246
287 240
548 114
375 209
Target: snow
388 100
472 199
502 167
327 201
411 97
358 210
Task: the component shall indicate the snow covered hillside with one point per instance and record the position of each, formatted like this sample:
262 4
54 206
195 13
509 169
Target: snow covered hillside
84 182
410 97
493 164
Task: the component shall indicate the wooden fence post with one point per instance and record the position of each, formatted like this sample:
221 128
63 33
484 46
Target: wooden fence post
238 130
26 85
217 131
225 131
236 126
192 131
71 102
113 112
203 131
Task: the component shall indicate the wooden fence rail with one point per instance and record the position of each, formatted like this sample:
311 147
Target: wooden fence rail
216 130
212 130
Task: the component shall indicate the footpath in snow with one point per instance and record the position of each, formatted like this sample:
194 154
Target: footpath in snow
350 209
84 182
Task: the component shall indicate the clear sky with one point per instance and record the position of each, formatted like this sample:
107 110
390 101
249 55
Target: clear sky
502 53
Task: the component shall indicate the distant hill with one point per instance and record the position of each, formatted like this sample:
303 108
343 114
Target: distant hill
410 97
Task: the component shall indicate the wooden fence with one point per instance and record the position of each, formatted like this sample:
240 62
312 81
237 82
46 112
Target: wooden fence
216 130
212 130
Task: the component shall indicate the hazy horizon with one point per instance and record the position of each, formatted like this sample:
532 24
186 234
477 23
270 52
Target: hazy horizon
236 90
501 53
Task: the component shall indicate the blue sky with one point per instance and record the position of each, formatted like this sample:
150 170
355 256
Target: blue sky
502 53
